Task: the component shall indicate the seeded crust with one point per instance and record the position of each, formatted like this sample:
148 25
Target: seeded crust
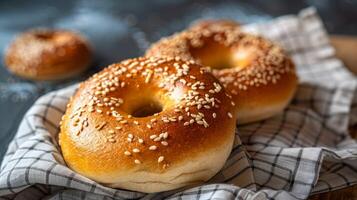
186 143
260 74
45 54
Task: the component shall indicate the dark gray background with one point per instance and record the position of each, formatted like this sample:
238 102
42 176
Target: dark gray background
123 29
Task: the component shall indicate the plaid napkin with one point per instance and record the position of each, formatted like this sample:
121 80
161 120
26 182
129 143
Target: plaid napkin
304 150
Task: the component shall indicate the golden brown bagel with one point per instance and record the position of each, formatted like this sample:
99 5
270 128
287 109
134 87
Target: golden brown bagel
46 54
149 125
259 75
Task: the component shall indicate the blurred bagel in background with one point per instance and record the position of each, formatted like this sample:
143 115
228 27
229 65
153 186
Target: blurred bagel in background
258 74
48 54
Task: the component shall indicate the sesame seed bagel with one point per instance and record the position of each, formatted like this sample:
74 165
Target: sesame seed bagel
45 54
259 75
149 125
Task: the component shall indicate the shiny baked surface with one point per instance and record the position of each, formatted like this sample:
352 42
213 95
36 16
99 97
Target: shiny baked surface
155 122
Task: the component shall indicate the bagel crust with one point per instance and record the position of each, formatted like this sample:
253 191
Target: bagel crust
45 54
183 139
258 74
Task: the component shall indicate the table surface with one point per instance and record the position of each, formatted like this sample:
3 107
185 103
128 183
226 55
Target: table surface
124 29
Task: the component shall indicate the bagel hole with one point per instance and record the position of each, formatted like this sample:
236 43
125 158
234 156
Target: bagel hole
220 64
243 57
44 35
219 57
146 109
213 55
239 60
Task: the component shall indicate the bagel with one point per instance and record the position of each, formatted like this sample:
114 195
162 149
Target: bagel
149 125
46 54
258 74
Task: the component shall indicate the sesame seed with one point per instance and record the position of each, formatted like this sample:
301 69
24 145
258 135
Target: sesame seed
135 150
153 148
136 161
160 159
147 80
165 135
164 143
229 115
111 140
100 126
127 153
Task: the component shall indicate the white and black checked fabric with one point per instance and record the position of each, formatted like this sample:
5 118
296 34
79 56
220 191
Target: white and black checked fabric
304 150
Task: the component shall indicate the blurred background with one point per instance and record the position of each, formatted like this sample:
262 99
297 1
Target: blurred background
120 29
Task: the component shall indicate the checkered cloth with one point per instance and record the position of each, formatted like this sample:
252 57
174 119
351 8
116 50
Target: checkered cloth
304 150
